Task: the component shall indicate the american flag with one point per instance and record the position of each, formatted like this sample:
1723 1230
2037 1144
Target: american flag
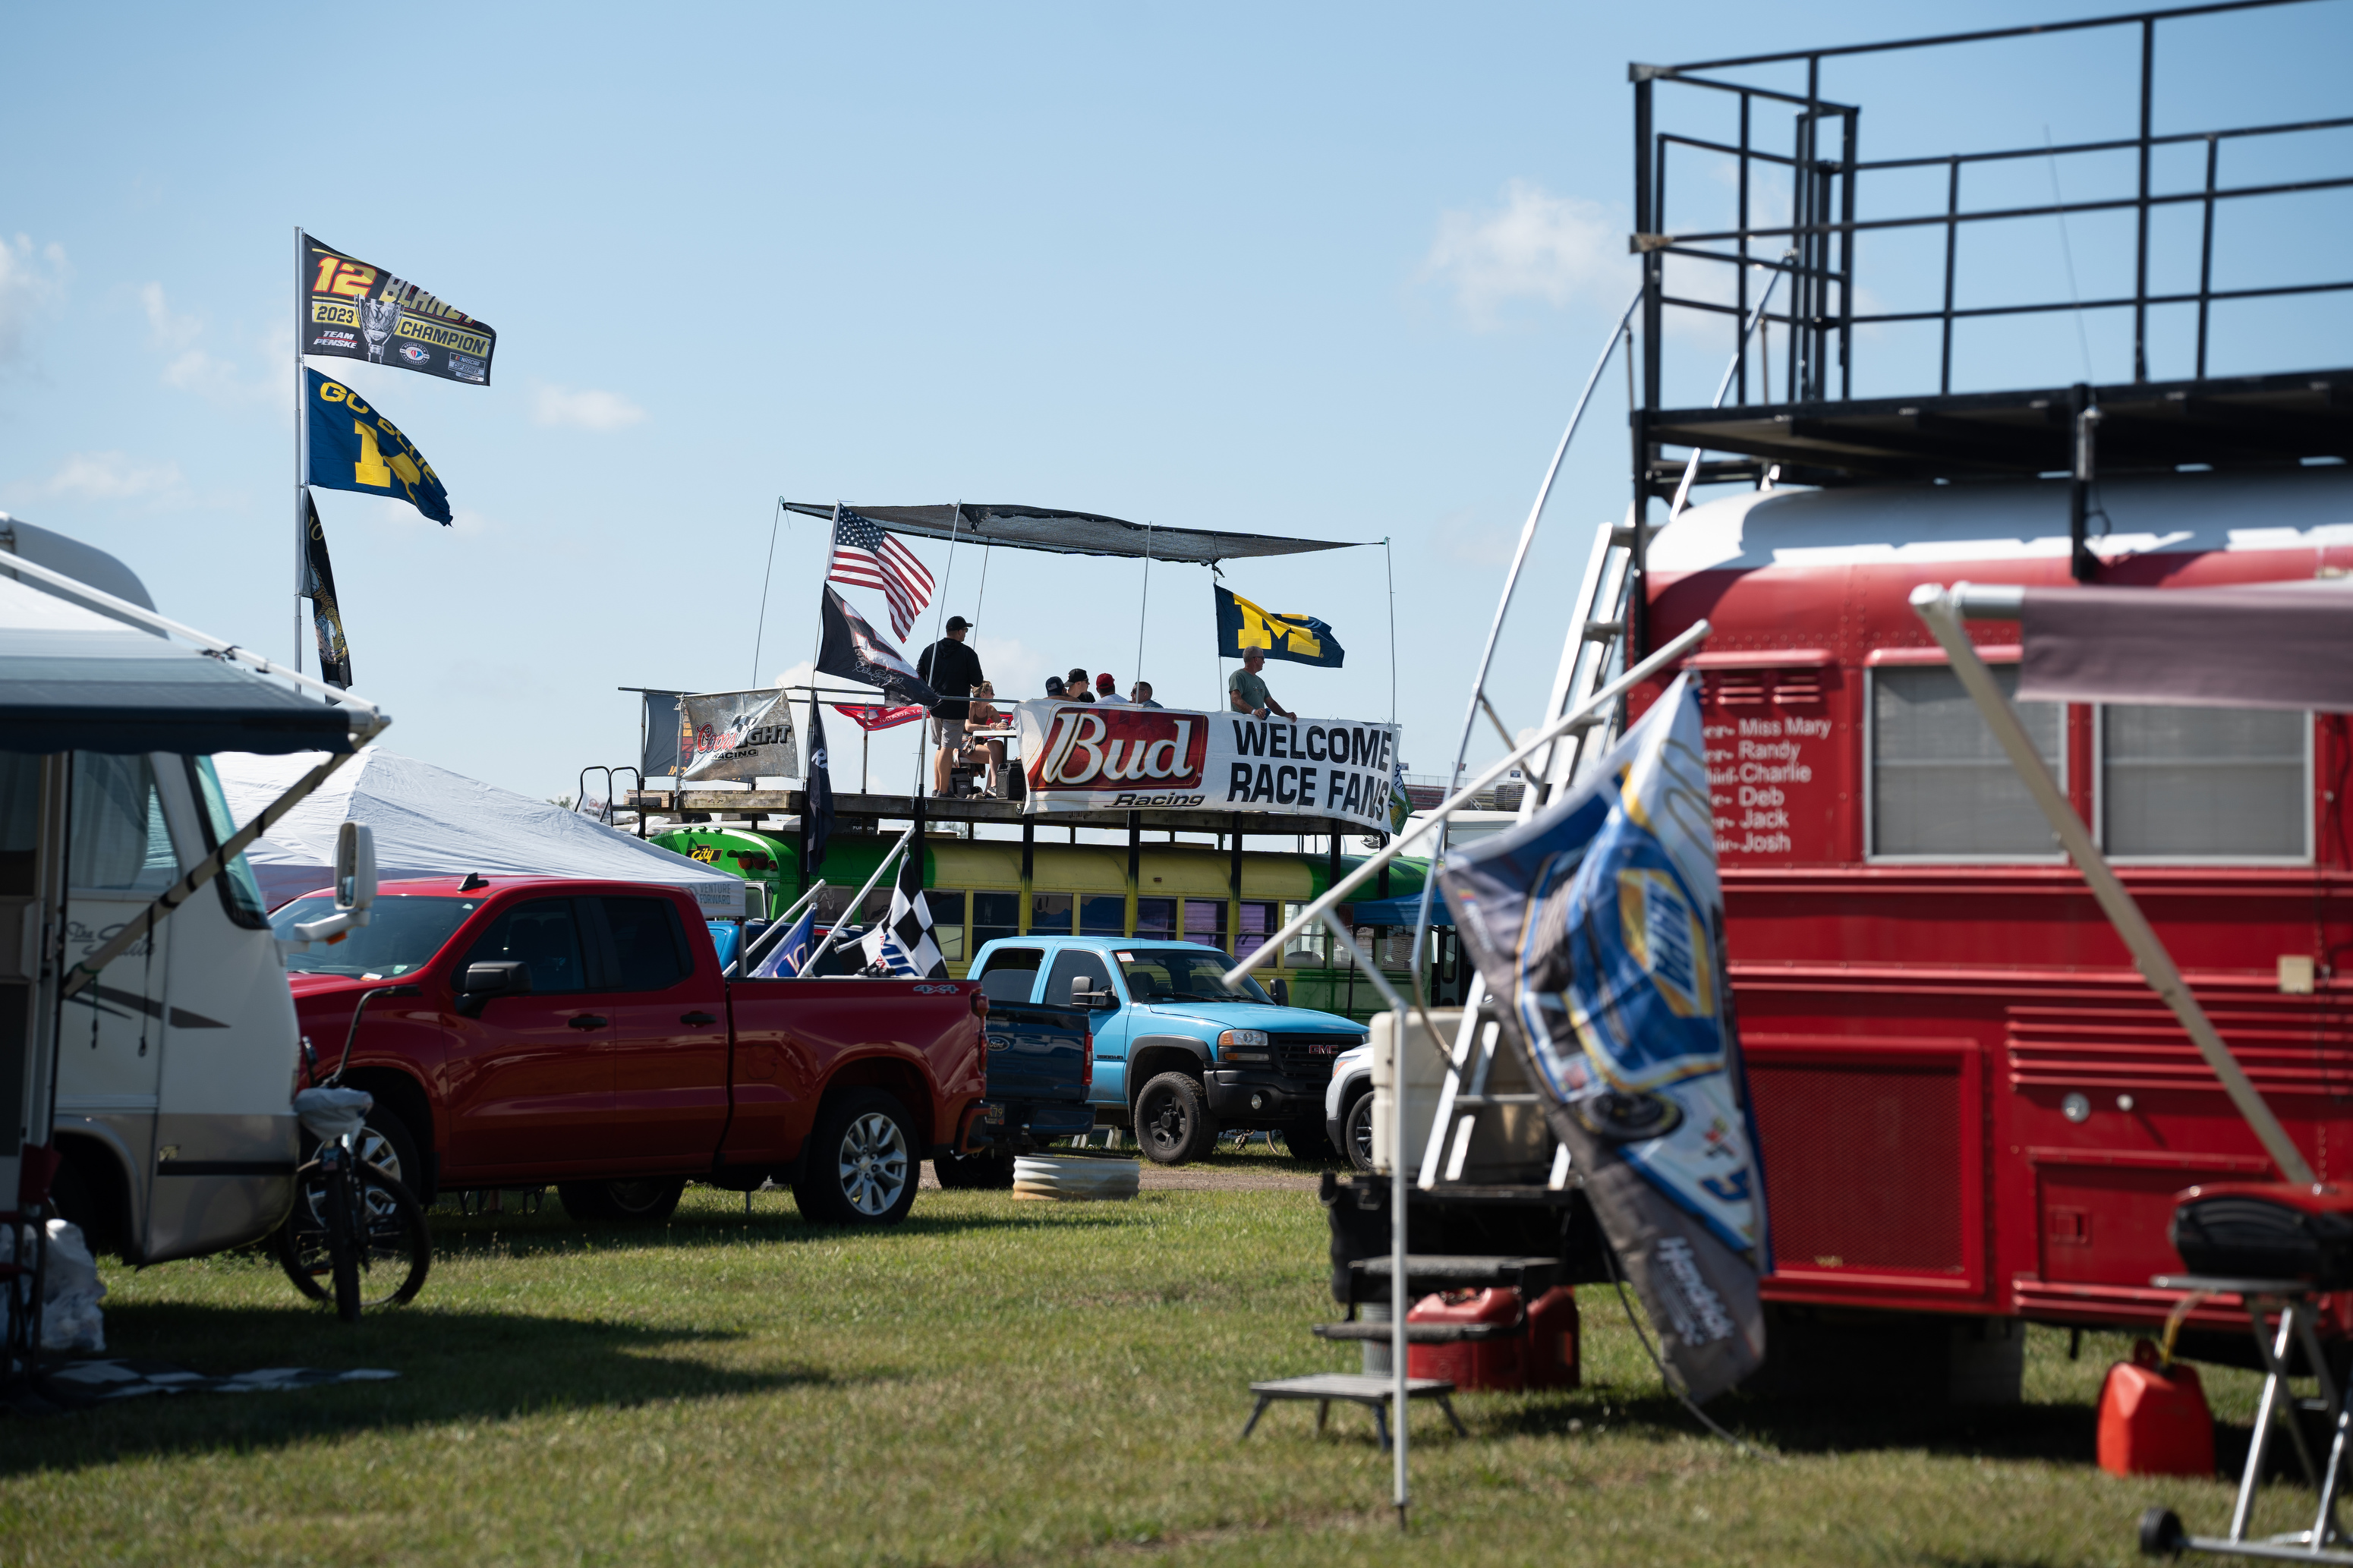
866 557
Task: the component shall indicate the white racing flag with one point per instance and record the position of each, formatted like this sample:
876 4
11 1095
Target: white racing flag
903 943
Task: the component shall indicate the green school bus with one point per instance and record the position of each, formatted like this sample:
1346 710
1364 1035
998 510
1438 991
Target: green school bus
976 893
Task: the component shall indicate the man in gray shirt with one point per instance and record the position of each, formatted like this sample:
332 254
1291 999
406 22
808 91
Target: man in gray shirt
1247 693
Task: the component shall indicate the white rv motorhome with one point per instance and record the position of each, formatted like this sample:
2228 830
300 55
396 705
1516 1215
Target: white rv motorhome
148 1048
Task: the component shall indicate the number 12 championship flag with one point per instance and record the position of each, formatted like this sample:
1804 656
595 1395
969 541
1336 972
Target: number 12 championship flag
353 447
1302 639
1599 924
349 309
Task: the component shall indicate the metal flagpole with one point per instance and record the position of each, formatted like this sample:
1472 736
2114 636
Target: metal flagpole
759 632
302 447
1142 608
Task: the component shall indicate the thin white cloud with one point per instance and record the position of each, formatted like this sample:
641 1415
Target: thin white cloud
32 282
1534 246
191 368
560 407
115 477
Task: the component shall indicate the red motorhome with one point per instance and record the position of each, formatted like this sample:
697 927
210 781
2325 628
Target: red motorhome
1968 1099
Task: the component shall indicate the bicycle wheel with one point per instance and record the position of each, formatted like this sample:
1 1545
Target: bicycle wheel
389 1265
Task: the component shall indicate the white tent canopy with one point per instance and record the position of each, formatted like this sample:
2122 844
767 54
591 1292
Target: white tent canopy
430 822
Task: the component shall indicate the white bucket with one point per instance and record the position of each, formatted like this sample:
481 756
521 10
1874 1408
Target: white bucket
1047 1177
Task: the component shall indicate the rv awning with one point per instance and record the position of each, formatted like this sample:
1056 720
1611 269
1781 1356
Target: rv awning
72 679
1071 532
2268 645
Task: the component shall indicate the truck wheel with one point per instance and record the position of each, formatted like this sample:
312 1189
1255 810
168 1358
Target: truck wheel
861 1168
1172 1119
386 1144
1357 1129
621 1203
991 1173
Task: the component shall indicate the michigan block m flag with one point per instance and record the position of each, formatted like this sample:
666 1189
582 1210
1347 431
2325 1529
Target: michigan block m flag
353 447
1302 639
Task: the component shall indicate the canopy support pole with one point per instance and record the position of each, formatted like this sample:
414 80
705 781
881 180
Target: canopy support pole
1939 609
833 937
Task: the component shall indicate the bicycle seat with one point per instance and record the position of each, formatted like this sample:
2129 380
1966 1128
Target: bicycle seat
331 1115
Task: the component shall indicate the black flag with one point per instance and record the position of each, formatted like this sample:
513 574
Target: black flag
326 612
856 651
816 815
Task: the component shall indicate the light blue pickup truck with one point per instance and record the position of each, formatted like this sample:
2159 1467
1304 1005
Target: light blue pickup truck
1177 1056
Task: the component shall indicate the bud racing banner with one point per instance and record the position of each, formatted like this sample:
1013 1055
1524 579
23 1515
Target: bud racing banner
1080 756
740 735
350 310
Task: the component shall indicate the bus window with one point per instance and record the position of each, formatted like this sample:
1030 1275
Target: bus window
1103 914
1311 949
994 915
1258 922
1050 912
1205 921
947 922
1156 918
2204 782
1940 787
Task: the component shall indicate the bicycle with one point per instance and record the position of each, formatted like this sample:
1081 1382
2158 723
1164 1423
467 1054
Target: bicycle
353 1223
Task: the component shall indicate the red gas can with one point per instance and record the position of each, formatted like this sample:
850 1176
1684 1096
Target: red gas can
1545 1357
2154 1420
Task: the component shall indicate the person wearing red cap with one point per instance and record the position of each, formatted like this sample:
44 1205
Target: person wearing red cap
1107 690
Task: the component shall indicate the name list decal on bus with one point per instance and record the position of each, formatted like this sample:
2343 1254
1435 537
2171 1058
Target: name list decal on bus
1113 757
1771 770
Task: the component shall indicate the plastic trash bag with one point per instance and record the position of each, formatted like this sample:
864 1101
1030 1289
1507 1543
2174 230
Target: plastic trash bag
330 1115
71 1289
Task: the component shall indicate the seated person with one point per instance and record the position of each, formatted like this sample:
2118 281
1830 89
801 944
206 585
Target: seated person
986 714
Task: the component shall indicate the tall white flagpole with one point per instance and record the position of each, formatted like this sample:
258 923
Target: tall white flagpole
302 445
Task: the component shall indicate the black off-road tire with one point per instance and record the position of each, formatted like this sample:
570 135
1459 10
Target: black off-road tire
398 1248
2161 1534
1173 1123
644 1202
1356 1130
991 1172
860 1167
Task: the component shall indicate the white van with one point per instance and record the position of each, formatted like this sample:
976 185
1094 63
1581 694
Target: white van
149 1100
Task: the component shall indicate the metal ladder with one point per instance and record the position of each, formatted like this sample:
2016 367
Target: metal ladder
1593 654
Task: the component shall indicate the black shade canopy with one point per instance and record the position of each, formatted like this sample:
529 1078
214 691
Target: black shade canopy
72 679
1071 532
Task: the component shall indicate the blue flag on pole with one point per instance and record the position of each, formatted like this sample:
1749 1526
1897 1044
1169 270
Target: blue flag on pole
353 447
784 960
1598 927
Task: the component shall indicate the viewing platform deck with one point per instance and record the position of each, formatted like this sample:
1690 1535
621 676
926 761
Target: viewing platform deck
856 813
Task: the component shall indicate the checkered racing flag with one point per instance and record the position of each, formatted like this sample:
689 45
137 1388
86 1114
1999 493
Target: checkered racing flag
903 943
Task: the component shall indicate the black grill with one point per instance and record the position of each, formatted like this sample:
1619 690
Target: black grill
1311 1056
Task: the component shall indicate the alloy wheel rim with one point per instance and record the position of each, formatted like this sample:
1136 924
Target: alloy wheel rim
873 1163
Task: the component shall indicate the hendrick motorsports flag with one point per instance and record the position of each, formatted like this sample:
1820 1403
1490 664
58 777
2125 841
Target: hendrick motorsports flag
326 614
1302 639
353 447
856 651
353 310
1599 927
784 959
1081 756
742 735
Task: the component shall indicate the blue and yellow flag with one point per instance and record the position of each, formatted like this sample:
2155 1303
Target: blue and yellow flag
1302 639
353 447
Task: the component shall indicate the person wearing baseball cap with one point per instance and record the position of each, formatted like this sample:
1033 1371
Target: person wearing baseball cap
1107 690
952 669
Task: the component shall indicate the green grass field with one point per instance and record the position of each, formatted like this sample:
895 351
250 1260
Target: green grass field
991 1382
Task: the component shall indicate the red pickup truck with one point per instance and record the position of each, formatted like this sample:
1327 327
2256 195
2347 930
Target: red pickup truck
529 1030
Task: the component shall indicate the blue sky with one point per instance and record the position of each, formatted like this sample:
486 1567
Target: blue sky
1336 271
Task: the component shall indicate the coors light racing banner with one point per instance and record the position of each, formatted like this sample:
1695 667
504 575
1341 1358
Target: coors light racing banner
1078 756
350 310
742 735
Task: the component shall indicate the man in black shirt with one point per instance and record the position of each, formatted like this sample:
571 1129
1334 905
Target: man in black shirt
952 671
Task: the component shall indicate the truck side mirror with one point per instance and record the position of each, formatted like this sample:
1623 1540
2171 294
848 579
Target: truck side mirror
1281 991
356 869
479 983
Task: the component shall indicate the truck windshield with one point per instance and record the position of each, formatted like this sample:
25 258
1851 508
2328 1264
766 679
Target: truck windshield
403 934
1182 975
